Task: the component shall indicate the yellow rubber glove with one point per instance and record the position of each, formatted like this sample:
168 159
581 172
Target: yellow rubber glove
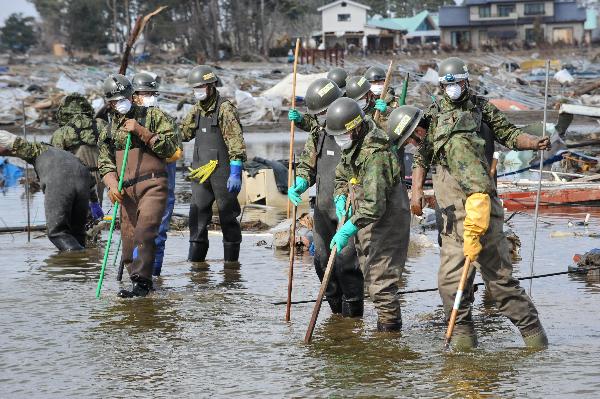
203 172
176 156
478 208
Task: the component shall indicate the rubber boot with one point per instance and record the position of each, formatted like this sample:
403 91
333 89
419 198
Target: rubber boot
231 251
335 304
535 337
464 338
197 251
389 327
139 288
353 308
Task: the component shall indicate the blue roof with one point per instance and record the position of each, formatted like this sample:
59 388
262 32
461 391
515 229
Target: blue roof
409 24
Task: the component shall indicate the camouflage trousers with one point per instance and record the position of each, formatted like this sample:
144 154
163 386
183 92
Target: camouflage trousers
494 262
382 247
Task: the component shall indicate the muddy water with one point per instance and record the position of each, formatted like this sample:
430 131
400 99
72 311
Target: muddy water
213 332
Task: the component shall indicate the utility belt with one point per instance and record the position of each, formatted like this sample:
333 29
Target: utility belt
136 180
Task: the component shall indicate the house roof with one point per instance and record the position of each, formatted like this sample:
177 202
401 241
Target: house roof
482 2
335 3
408 24
591 21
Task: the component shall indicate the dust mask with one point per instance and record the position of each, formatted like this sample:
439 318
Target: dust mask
149 101
377 89
200 94
123 106
344 141
453 91
362 103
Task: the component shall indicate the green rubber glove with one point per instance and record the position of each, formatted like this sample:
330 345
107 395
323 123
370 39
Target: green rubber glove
294 192
340 207
380 105
340 239
294 115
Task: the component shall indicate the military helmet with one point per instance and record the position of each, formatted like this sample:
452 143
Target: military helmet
339 76
402 122
72 105
357 87
117 87
320 94
202 75
144 82
452 70
375 74
343 115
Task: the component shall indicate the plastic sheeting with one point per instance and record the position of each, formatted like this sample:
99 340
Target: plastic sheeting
254 109
283 89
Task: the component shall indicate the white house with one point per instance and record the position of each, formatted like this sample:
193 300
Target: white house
344 23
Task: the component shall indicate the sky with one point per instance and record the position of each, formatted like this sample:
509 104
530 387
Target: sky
8 7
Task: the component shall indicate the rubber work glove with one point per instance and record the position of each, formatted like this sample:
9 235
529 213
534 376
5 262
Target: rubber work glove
477 221
294 192
234 183
340 207
341 237
294 115
380 105
176 156
96 211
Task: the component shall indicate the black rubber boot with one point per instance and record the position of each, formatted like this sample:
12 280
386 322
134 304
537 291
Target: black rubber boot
389 327
197 251
353 308
335 304
231 251
138 289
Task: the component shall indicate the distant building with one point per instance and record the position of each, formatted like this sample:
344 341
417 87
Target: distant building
346 24
478 23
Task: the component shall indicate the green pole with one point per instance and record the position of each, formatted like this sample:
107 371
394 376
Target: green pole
114 218
404 90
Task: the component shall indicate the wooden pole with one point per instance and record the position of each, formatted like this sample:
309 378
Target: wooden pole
457 300
324 284
386 86
539 188
288 308
27 201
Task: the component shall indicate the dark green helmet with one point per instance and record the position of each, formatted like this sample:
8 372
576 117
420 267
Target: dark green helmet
320 94
452 70
144 82
357 87
343 115
202 75
375 74
117 87
339 76
402 122
71 106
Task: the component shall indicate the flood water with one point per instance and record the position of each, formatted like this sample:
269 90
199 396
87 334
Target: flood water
213 331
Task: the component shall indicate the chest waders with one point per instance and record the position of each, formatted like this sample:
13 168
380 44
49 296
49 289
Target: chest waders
210 146
345 290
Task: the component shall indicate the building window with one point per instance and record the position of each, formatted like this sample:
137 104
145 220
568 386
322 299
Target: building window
505 10
534 9
533 35
485 11
343 17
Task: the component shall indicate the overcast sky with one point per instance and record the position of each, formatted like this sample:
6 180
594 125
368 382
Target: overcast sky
10 6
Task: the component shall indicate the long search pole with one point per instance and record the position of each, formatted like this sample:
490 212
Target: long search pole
539 188
292 124
457 301
26 177
386 86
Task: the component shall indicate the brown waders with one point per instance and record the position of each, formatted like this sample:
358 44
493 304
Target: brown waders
494 262
382 248
144 201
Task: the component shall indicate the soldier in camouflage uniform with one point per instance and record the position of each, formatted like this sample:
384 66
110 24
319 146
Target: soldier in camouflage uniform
370 173
78 133
317 166
215 124
66 184
459 146
144 194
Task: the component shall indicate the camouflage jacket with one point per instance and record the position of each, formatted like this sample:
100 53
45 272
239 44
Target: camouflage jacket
27 151
113 137
75 118
377 171
307 164
453 140
229 123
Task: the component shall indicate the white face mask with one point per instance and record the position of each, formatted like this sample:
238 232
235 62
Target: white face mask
123 106
344 141
200 94
149 101
453 91
362 103
377 89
